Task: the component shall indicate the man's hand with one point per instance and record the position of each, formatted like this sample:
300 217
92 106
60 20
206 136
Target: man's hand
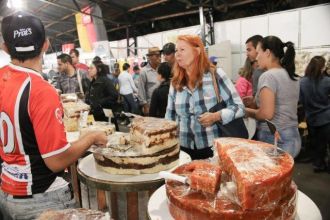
99 138
207 119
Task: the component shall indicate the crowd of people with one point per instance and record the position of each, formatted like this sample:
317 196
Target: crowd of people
181 89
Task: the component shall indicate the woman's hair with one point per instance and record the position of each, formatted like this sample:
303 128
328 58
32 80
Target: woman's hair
201 63
164 70
101 68
286 59
126 66
315 67
247 70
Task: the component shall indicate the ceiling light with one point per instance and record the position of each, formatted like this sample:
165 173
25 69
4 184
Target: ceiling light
18 4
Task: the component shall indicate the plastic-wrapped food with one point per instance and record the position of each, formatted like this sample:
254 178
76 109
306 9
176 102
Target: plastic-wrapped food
74 214
73 109
261 177
255 184
204 176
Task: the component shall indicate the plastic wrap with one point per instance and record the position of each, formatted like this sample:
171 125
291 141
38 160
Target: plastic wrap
150 147
72 112
255 184
74 214
73 109
261 177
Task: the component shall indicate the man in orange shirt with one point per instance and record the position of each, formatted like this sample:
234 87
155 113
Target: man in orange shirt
33 144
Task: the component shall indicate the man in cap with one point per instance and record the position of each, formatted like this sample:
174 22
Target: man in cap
148 79
168 52
33 142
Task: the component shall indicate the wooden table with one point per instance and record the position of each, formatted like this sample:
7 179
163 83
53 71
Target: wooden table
124 196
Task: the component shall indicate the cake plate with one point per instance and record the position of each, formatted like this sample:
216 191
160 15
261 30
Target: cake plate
158 208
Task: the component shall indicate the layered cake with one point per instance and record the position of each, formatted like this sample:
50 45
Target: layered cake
250 180
107 128
151 146
74 214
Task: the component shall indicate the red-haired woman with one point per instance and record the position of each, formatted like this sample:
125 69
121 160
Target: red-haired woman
192 95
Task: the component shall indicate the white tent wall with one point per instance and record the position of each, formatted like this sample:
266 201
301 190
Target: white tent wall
306 27
4 58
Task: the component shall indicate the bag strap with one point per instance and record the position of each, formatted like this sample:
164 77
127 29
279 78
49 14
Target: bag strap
215 84
79 81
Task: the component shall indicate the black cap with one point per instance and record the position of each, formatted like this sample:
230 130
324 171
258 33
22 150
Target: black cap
22 32
168 48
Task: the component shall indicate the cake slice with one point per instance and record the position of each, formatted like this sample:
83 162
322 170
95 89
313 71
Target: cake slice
262 178
153 134
204 176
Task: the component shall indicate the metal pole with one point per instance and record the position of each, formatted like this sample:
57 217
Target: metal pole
202 22
211 27
127 41
135 46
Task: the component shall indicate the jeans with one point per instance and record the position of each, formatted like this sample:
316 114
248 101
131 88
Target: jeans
129 104
290 140
31 208
320 140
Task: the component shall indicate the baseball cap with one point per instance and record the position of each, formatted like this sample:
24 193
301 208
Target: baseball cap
168 48
23 33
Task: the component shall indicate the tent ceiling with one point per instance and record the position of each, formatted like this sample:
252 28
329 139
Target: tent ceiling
141 17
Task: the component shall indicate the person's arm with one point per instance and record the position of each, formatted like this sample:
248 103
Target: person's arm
46 113
142 95
154 103
235 108
131 82
58 84
266 109
170 109
60 161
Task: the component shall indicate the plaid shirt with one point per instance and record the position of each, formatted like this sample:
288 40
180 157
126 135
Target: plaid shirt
69 84
186 106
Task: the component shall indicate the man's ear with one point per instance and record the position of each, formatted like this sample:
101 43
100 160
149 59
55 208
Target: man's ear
5 48
45 46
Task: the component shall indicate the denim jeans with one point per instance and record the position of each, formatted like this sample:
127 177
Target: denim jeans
129 104
31 208
290 139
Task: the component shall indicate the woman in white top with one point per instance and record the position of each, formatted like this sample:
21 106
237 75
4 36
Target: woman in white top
278 94
126 89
